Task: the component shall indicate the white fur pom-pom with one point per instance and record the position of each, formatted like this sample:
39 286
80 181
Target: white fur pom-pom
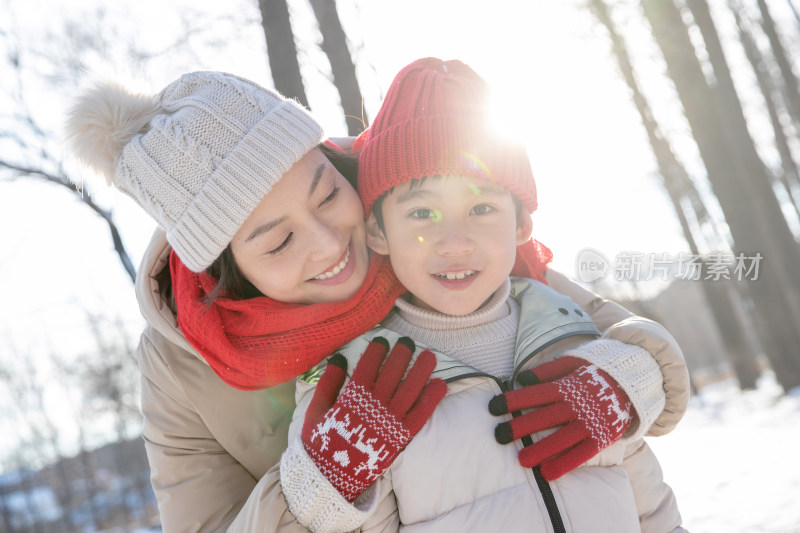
103 119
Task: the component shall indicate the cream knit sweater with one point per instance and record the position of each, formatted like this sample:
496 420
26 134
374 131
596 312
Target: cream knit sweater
484 339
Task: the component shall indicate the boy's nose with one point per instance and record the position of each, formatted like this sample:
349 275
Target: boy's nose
454 240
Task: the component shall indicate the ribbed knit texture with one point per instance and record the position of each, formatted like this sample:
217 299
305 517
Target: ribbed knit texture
434 121
636 371
357 441
314 502
484 339
200 167
598 403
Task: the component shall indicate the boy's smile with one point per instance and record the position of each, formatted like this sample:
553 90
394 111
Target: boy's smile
457 281
451 240
451 276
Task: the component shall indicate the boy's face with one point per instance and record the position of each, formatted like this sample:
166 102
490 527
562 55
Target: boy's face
451 241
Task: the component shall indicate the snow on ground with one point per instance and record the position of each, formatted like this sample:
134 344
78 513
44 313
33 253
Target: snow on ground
734 460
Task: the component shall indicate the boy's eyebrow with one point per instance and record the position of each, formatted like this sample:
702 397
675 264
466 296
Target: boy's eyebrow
489 189
263 228
413 194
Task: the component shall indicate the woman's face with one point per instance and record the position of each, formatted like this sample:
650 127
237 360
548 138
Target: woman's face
305 242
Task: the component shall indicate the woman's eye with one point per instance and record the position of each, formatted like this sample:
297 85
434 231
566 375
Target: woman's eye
282 245
328 199
481 209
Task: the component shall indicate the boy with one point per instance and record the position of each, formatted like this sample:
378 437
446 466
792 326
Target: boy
449 204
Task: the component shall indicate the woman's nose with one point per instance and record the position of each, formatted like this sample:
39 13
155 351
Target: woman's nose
324 240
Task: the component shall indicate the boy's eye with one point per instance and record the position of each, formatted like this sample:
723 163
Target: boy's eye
481 209
328 199
425 213
282 246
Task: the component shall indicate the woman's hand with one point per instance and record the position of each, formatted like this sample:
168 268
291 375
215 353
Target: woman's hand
355 437
590 407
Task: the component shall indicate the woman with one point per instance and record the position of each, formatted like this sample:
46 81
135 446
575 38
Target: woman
248 201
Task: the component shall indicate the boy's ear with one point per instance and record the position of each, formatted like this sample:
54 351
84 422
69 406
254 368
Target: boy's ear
376 240
524 228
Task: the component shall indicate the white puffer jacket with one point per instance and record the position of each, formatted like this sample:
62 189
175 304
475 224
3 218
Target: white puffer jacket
454 476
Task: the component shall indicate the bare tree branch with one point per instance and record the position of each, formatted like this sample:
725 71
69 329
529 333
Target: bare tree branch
119 247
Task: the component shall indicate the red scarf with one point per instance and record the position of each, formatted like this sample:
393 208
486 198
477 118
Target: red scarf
260 342
532 260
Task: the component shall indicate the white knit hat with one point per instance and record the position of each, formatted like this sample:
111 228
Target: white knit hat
199 157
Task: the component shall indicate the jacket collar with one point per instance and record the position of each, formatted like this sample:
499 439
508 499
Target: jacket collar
154 306
546 317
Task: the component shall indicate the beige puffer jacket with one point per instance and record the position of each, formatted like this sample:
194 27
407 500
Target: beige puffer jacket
213 450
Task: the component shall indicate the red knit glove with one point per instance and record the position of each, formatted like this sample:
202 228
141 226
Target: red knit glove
570 392
354 439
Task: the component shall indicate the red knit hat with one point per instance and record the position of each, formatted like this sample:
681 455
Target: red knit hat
433 122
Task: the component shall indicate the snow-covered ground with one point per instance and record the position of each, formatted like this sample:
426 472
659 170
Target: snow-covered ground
734 460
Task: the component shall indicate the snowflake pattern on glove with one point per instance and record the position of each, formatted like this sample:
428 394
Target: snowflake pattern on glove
353 437
354 440
596 403
588 409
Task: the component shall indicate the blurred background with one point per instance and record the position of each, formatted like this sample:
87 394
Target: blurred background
665 140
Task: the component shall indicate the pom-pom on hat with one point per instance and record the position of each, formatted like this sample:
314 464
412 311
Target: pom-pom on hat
433 122
198 157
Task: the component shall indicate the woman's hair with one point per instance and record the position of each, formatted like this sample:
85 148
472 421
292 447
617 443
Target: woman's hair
230 281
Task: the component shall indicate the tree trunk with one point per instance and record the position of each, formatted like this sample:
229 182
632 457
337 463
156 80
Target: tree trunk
756 176
739 180
789 174
334 44
789 79
794 11
721 297
281 50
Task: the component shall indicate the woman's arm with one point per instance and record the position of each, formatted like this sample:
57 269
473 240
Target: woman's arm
618 323
655 501
344 437
376 511
199 485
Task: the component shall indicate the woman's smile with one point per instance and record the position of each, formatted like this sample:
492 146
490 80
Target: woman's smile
339 273
300 227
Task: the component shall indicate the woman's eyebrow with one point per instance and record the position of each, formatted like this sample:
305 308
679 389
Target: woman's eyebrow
317 176
263 228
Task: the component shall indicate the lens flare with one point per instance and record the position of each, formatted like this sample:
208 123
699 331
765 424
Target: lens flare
475 162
